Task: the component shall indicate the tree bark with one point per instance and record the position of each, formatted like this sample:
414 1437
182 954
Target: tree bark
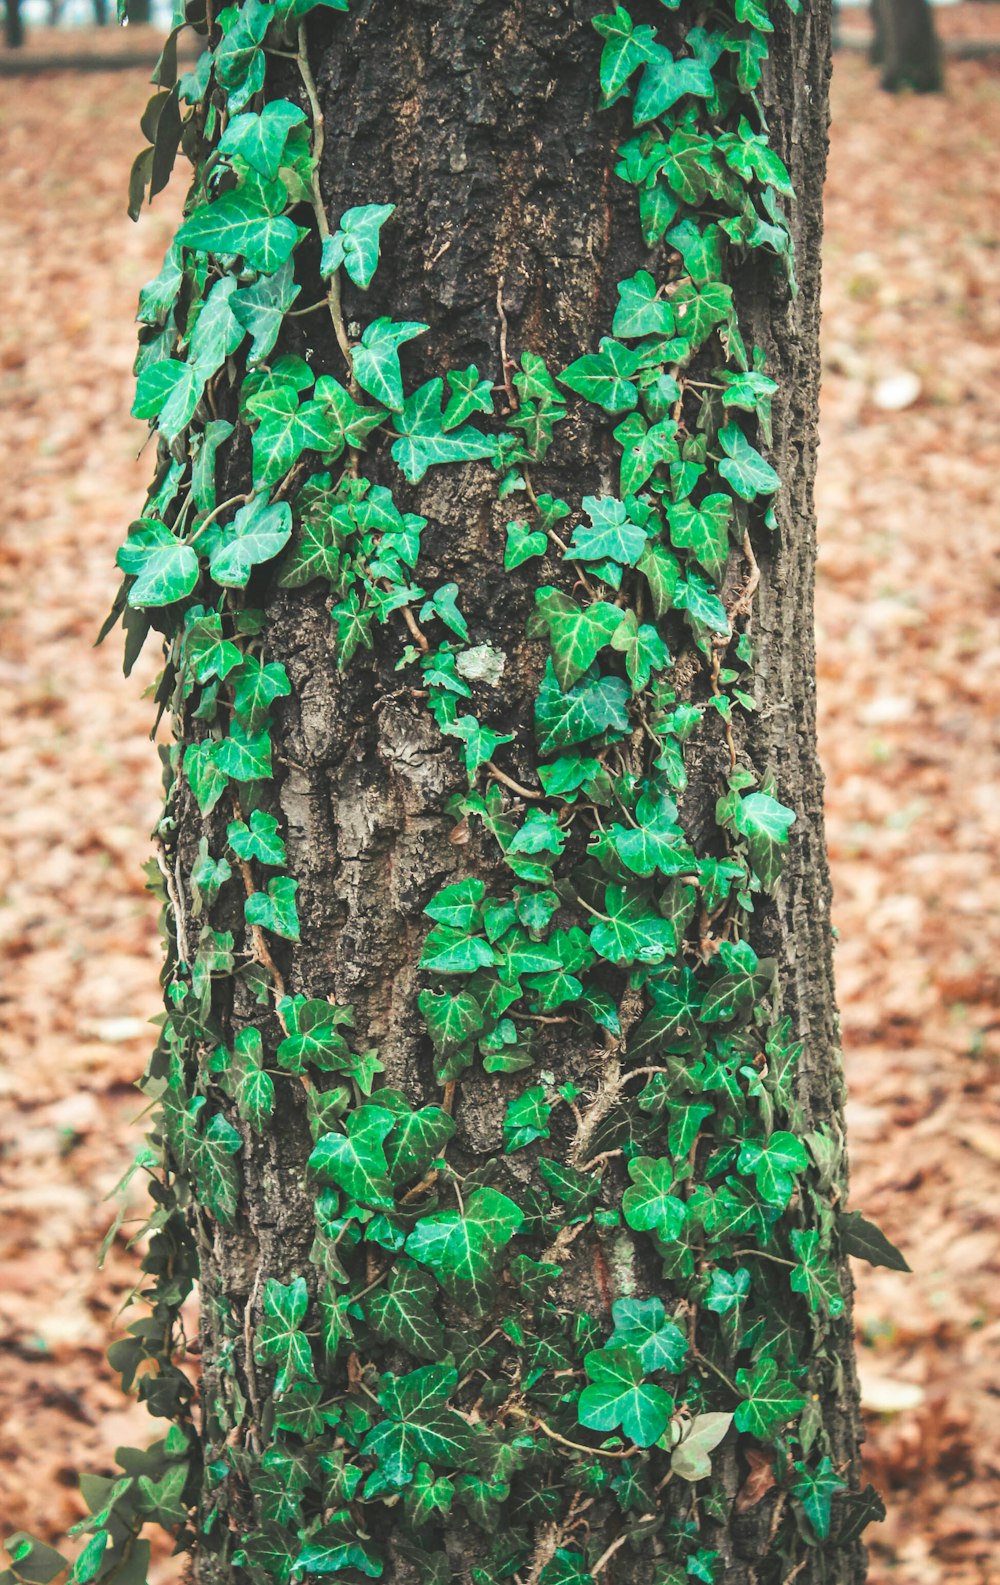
906 46
479 122
13 25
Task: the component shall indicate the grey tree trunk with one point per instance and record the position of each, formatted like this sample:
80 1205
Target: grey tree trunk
479 122
906 46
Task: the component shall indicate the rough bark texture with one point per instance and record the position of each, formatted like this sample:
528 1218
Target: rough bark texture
479 122
906 46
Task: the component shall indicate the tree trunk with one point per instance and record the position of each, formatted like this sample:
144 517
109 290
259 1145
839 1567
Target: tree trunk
510 236
906 46
13 25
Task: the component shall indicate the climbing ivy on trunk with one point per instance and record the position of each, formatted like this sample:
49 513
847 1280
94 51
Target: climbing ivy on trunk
565 1254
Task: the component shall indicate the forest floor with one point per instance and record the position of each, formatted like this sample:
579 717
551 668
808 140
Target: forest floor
909 500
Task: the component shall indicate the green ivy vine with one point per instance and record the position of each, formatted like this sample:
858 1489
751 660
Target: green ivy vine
389 1375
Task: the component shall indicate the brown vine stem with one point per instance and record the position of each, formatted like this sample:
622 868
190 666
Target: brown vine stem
180 932
234 500
319 209
607 1555
564 1441
508 781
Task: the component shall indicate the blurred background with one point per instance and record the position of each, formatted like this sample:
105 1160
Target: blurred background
909 654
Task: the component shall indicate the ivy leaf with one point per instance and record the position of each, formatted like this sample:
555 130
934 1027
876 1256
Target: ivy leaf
612 535
640 311
205 650
418 1424
314 1036
417 1138
605 377
239 223
593 706
522 544
428 1495
458 905
257 687
743 467
443 604
815 1490
626 49
355 243
253 1090
774 1163
462 1248
451 1018
633 932
643 649
644 448
257 534
163 567
702 604
451 951
353 623
350 421
703 530
260 139
770 1400
700 249
259 840
375 359
649 1206
274 909
765 823
665 80
404 1312
356 1161
424 441
168 391
576 635
865 1241
526 1119
576 1190
216 1175
744 980
280 1339
261 309
815 1276
690 1458
658 845
618 1396
480 741
331 1556
206 780
698 309
642 1325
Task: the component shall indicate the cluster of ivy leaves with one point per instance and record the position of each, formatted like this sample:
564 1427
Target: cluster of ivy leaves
453 1387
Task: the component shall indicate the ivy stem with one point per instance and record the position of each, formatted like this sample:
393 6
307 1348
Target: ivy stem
234 500
762 1254
318 207
508 781
607 1555
704 1360
564 1441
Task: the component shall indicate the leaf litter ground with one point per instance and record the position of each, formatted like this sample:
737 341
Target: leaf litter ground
909 501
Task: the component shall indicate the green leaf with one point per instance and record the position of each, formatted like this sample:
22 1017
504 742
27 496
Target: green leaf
700 248
355 243
404 1312
522 544
612 535
643 649
576 635
260 139
633 932
452 1018
239 223
168 391
576 1190
356 1161
216 1176
865 1241
428 1495
743 467
702 604
314 1036
480 741
424 442
618 1396
658 845
640 311
469 394
242 756
332 1554
259 840
417 1138
703 530
274 909
353 625
661 571
451 951
206 780
217 332
605 377
279 1339
526 1119
593 706
774 1162
626 49
257 687
462 1249
458 905
261 309
744 979
816 1490
649 1206
644 448
765 824
642 1325
815 1276
257 534
164 569
375 359
665 80
418 1424
350 421
770 1400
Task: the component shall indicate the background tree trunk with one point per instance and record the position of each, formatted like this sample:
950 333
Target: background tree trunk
906 46
13 25
479 122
